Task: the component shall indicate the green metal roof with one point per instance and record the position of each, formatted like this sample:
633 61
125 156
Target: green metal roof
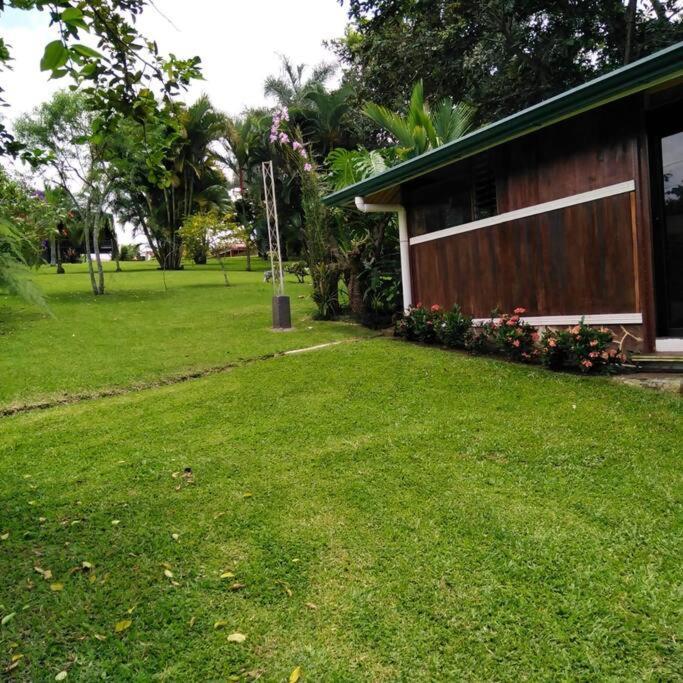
658 68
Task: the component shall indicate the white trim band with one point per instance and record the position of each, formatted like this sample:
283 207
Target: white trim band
565 202
594 319
669 344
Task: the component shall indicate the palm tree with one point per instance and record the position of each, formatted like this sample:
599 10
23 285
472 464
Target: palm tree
290 87
243 143
323 115
421 129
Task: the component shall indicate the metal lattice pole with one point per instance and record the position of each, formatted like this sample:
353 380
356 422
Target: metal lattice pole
273 228
282 316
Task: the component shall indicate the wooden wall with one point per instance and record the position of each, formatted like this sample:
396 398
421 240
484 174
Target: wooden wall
577 260
571 261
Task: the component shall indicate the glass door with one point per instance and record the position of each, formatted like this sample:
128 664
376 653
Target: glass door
668 227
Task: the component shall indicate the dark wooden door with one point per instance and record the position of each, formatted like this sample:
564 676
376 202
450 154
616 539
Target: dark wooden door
668 223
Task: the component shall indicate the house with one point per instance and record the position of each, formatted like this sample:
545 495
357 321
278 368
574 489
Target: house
571 208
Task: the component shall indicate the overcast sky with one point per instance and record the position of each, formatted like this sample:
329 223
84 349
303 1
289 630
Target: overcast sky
238 40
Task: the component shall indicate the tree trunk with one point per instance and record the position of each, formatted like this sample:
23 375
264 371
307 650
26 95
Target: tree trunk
630 19
98 260
248 258
53 255
58 246
225 272
91 272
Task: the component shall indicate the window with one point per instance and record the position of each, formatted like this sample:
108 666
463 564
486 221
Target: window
454 195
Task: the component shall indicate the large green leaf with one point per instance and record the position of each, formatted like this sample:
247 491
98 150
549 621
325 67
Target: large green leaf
54 57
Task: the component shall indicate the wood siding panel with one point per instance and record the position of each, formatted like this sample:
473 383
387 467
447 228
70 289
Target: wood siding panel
570 261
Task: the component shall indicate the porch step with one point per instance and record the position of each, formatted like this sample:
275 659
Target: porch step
658 362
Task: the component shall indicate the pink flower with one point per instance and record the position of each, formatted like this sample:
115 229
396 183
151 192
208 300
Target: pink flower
308 167
514 320
516 343
593 354
520 310
586 364
594 342
436 308
284 138
552 343
534 337
297 145
302 153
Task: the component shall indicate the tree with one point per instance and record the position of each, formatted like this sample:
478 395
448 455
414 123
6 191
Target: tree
118 77
62 127
503 55
190 165
421 129
244 145
290 87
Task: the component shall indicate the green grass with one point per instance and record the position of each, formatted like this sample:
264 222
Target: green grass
448 517
140 331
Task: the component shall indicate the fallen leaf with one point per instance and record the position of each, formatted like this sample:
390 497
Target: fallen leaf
227 575
11 666
5 536
130 610
100 636
166 564
175 537
61 676
311 605
17 657
115 522
168 573
248 494
237 637
56 587
175 583
86 566
191 622
42 519
237 586
122 625
295 675
7 618
220 623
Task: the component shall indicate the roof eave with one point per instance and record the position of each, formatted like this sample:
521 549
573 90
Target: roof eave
649 72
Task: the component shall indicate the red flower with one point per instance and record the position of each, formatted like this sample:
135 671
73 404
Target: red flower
436 308
520 310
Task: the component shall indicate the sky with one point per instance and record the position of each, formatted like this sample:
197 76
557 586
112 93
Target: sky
239 42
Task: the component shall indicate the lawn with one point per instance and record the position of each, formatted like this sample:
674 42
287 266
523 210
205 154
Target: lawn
371 511
142 331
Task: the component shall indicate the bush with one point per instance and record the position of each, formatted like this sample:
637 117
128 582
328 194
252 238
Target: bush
511 336
129 252
419 324
581 347
299 269
454 329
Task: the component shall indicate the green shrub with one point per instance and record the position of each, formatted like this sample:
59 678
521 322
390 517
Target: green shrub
513 337
581 347
299 269
129 252
454 329
419 324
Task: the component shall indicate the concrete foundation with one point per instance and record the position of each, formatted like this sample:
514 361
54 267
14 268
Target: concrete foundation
282 316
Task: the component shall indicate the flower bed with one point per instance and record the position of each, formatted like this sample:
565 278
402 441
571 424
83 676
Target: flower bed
583 348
